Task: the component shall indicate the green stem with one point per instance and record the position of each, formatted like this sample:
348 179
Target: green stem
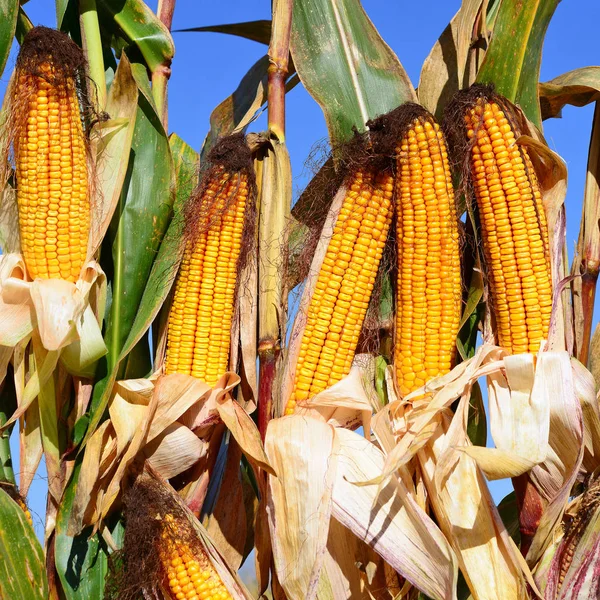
92 46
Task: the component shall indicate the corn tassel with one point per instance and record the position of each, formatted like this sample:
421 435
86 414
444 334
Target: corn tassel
200 320
51 171
188 574
514 229
339 303
429 279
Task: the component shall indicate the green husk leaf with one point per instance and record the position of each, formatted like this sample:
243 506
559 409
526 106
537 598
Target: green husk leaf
345 65
257 31
141 28
578 88
513 59
9 12
22 568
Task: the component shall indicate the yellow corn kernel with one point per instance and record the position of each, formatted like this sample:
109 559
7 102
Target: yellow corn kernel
514 229
429 279
51 171
339 303
199 328
188 574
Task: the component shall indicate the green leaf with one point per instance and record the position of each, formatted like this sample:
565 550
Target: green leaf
133 241
82 561
257 31
22 568
237 110
24 25
357 77
142 28
513 59
477 425
61 9
164 270
9 11
509 513
381 365
578 88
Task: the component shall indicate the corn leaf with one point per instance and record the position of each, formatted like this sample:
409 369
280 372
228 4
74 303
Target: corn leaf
81 561
257 31
9 11
578 88
132 242
61 9
22 567
237 111
513 59
345 65
142 28
446 69
24 24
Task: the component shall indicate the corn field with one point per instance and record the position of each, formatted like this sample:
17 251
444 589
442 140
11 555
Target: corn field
222 376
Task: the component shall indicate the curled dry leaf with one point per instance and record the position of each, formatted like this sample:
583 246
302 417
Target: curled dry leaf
163 420
391 521
555 476
299 500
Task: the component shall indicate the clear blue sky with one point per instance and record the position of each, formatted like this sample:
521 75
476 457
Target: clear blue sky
207 68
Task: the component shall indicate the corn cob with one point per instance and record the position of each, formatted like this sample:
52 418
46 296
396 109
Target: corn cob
429 279
201 315
51 161
339 303
513 225
188 574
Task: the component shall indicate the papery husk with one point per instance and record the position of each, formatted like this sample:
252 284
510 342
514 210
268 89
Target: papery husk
555 476
391 521
519 414
161 421
489 560
304 453
327 461
585 390
456 488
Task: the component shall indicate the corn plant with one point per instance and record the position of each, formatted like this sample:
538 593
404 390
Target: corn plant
192 419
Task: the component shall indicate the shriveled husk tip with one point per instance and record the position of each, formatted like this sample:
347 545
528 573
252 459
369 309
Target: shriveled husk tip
158 527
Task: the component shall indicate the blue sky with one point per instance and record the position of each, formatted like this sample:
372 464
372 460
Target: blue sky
207 68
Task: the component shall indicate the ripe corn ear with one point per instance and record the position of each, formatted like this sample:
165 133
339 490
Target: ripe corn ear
343 289
199 328
429 280
513 227
51 170
188 574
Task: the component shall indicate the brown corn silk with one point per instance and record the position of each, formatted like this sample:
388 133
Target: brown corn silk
199 329
429 280
513 220
345 283
50 152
